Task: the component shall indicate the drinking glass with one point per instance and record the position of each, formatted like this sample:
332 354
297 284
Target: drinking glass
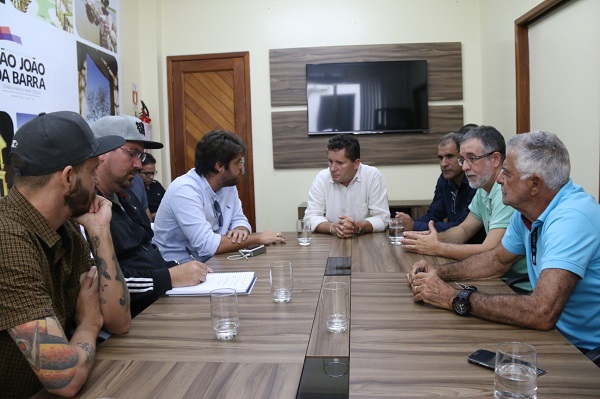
282 281
395 231
336 306
224 312
516 371
304 232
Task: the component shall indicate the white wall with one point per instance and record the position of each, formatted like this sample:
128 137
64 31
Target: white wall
565 82
182 27
498 61
565 88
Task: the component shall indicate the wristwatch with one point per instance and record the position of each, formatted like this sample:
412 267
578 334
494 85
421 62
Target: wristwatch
460 303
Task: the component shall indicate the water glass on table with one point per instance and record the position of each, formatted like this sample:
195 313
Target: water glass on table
303 231
336 305
516 371
282 281
224 312
395 230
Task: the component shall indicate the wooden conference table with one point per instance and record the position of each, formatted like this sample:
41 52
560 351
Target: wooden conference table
397 348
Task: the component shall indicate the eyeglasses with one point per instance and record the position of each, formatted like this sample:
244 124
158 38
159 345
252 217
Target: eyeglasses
149 174
473 158
217 212
135 153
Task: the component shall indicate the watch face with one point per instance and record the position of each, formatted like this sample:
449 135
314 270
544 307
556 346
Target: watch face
461 303
461 306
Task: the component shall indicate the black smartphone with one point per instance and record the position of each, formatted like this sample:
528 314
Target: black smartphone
487 359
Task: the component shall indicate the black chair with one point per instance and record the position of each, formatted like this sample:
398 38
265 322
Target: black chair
594 356
521 278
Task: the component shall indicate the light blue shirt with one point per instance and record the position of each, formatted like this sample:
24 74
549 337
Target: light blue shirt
568 238
187 217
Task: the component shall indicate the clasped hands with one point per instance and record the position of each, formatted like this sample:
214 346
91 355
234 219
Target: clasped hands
346 227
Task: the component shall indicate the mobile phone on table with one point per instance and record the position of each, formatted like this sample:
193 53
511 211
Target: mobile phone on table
487 359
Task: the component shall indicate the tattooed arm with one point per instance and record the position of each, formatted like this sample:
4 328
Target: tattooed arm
62 366
113 292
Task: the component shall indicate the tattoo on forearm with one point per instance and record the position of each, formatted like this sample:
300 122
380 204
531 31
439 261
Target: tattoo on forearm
124 300
89 350
52 358
95 242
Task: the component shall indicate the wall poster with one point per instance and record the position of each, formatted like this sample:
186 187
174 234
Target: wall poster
56 55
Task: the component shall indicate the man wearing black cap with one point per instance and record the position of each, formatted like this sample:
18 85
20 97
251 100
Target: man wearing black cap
147 273
53 299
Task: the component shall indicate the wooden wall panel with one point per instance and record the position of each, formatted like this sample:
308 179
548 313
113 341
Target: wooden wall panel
293 148
288 67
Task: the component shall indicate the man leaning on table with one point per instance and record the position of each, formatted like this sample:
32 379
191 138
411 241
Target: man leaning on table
54 298
349 198
556 227
202 211
147 274
482 151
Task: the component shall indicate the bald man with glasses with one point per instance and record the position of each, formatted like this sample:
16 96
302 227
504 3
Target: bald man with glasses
482 153
147 273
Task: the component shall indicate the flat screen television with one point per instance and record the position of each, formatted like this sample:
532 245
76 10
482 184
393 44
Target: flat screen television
367 97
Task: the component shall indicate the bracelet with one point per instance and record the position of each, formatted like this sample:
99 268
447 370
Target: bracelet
330 227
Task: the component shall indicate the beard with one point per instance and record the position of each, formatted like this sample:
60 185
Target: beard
79 199
481 180
229 179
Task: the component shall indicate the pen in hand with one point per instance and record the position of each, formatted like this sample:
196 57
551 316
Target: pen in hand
189 251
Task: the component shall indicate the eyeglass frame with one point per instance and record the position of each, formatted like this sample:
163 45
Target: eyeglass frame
135 153
149 174
473 158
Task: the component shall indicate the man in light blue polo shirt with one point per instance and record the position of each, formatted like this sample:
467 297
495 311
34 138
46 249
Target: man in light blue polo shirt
556 227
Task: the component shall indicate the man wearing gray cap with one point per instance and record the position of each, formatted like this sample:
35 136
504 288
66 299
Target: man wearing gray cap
147 273
54 298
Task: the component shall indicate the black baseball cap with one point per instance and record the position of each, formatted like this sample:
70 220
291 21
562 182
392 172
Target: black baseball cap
53 141
128 127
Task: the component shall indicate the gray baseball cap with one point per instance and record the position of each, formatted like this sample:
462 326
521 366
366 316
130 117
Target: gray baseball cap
128 127
53 141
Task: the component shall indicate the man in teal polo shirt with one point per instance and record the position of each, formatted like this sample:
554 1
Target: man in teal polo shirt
482 152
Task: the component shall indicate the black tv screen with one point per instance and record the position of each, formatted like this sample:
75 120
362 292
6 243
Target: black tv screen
367 97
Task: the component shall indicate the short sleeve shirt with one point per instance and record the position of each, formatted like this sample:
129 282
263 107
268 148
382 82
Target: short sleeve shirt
39 277
489 209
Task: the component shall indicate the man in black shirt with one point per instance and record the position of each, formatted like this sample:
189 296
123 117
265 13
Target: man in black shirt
147 274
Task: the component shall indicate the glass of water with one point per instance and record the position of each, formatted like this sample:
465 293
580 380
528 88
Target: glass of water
336 306
282 281
516 371
395 230
224 312
304 232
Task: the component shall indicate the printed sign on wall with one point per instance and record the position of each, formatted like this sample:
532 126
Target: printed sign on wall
56 55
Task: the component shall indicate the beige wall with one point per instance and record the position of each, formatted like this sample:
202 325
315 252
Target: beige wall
181 27
565 82
565 90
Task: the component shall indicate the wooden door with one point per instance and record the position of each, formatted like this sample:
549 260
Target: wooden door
208 92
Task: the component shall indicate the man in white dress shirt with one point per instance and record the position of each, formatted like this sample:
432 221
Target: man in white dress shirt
349 198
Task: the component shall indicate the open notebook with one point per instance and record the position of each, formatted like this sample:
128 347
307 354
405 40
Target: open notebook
242 282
